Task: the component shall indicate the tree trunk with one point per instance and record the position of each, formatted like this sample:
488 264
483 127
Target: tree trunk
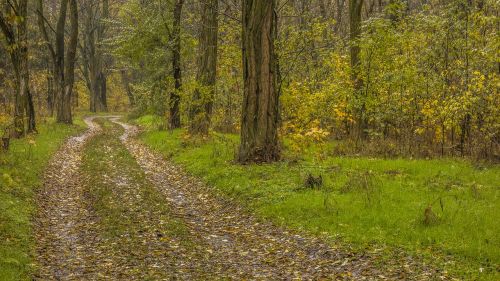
340 10
16 35
203 95
59 61
30 111
175 118
64 63
323 9
103 94
26 98
20 92
52 74
64 102
93 54
126 85
50 91
355 7
102 79
89 54
260 114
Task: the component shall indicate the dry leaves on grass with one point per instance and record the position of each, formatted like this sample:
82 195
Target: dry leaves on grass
132 235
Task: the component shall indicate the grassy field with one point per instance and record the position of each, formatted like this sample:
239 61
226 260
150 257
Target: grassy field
20 172
444 210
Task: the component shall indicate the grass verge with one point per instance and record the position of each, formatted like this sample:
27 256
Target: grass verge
21 169
443 210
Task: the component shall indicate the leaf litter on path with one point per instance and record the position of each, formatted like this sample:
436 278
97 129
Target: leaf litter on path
132 235
63 226
249 248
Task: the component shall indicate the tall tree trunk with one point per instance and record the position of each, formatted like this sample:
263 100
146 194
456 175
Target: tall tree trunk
50 90
340 9
103 87
355 7
64 63
30 110
59 61
323 9
102 79
126 85
89 54
175 117
26 97
260 114
21 88
52 75
93 54
16 35
64 104
207 70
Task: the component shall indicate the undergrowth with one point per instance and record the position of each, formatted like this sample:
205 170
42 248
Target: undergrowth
444 210
20 175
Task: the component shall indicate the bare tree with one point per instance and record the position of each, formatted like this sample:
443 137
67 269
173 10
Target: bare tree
95 13
64 63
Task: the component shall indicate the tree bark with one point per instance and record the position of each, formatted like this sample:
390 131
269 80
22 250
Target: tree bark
64 114
59 58
102 78
16 35
26 97
103 90
93 54
203 95
51 71
355 7
50 90
260 114
175 118
340 9
126 85
64 63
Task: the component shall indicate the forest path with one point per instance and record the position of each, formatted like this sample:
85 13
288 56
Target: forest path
63 225
112 209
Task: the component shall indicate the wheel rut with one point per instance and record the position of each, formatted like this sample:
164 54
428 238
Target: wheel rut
63 225
148 196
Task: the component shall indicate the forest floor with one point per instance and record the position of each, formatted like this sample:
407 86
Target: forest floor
20 175
112 209
441 210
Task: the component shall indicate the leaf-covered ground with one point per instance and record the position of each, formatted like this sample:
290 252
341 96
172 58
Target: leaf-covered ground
63 225
21 169
371 203
111 209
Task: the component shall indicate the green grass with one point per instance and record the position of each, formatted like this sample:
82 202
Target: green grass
366 202
150 122
119 210
20 174
129 209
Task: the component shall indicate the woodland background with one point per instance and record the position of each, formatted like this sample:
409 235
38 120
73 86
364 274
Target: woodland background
419 78
385 137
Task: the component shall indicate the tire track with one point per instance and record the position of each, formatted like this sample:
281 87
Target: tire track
249 249
63 225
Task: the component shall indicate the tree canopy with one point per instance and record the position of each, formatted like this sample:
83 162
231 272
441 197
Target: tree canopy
397 77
